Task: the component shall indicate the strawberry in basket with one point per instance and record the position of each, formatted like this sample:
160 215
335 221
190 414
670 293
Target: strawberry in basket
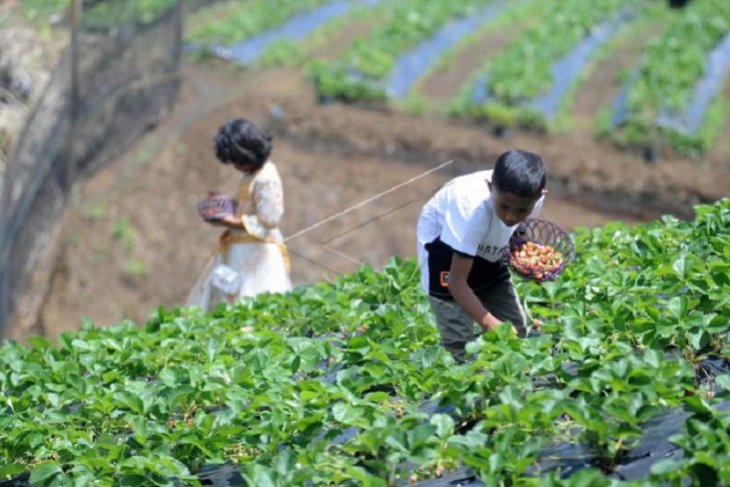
216 206
539 250
535 260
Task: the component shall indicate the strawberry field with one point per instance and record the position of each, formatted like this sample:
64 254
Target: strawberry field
673 93
628 379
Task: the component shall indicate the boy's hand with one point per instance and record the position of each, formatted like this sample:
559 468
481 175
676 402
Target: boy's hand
490 322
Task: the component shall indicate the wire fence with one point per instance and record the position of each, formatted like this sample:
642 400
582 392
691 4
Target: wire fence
119 77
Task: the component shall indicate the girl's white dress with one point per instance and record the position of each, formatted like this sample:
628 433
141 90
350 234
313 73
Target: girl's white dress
257 251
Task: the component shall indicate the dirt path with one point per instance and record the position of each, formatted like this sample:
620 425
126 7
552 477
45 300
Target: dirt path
444 83
338 42
603 86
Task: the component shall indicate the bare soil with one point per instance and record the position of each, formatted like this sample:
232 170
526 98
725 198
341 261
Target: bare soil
444 83
132 240
604 85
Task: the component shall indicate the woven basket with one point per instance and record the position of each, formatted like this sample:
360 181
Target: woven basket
541 232
216 206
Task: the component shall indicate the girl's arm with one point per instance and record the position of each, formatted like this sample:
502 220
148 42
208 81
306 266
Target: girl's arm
269 198
460 267
229 221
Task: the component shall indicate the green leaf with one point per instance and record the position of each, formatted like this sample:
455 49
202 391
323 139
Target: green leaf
696 405
139 426
168 377
444 424
699 339
681 267
84 346
723 381
678 306
665 466
131 400
344 413
44 471
12 469
379 397
40 343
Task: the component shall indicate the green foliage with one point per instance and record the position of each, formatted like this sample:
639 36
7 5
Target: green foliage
270 382
233 22
102 14
524 69
39 11
673 65
125 233
362 71
515 75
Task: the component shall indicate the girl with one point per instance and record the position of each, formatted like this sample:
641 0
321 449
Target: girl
252 244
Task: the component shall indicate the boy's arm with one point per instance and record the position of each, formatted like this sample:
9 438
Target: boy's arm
463 294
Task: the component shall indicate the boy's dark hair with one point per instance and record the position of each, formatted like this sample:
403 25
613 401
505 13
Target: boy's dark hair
521 173
240 141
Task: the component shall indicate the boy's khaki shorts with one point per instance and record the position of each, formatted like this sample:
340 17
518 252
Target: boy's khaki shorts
457 328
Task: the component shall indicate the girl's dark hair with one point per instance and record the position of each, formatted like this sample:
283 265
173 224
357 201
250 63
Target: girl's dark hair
240 141
521 173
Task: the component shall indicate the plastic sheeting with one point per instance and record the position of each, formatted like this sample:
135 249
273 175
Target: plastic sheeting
412 65
718 69
569 458
296 28
567 70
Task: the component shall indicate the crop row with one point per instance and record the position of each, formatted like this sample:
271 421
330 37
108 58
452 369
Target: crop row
507 90
232 22
99 14
512 79
668 78
274 384
361 72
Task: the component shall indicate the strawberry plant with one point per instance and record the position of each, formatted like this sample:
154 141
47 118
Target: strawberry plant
345 382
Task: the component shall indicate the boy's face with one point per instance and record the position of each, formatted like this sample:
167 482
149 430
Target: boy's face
511 208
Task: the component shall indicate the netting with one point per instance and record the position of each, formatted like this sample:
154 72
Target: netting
119 77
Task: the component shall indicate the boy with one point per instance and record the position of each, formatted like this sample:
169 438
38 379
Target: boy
461 233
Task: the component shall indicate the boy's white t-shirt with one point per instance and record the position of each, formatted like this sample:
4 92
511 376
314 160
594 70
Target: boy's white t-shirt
462 215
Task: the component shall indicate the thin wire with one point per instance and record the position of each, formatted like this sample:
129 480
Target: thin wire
367 222
369 200
312 261
347 232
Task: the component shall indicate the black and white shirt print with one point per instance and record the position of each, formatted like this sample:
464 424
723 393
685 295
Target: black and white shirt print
462 216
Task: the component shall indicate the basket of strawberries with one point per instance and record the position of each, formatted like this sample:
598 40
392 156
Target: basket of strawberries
539 250
216 206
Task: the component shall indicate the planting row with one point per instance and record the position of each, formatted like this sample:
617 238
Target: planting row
675 93
363 71
676 90
327 384
99 14
526 82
